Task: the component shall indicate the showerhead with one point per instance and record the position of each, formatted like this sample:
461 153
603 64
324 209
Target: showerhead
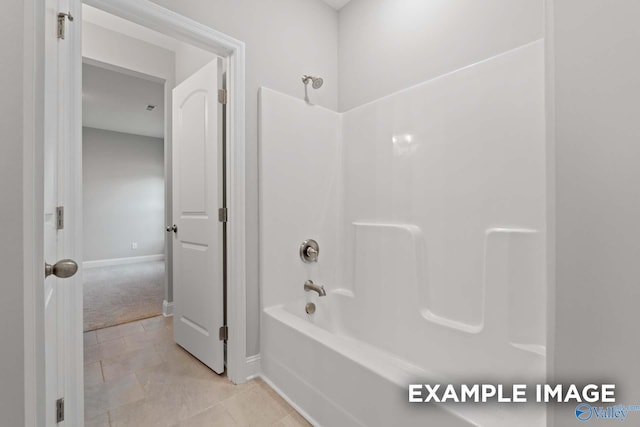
316 82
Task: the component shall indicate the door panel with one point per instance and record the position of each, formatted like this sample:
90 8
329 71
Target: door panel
61 160
51 245
197 195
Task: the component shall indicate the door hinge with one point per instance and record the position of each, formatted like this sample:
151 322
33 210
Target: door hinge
224 333
223 215
60 218
60 410
222 96
62 17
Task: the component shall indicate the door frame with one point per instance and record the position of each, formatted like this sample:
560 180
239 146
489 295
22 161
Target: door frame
158 18
182 28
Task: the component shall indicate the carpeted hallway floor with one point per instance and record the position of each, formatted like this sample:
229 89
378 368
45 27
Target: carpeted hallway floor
122 293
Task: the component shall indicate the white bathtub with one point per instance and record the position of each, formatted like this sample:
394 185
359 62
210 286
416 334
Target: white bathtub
330 377
336 380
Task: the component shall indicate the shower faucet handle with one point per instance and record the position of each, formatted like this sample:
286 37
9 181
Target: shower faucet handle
309 251
312 253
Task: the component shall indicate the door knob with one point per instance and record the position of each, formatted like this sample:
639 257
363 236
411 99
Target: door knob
62 269
173 228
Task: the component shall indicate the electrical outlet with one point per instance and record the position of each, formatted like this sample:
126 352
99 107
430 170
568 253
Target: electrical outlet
134 245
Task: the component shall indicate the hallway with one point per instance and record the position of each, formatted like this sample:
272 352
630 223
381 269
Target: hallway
135 375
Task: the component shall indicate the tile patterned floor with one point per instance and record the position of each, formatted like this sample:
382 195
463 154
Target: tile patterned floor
135 375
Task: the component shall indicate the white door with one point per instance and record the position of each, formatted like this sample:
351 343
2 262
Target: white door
53 374
198 235
58 288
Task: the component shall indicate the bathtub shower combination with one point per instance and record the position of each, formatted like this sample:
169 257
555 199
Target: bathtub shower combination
428 209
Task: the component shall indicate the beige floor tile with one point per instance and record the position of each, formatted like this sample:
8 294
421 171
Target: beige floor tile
292 420
100 398
246 386
106 350
145 413
157 322
151 381
187 388
180 362
90 338
129 363
147 339
217 416
260 381
99 421
254 407
180 359
119 331
93 374
169 350
278 399
176 355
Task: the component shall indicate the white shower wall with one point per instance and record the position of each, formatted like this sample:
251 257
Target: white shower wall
429 208
458 159
300 180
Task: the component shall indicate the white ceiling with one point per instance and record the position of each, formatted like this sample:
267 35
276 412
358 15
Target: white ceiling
115 101
337 4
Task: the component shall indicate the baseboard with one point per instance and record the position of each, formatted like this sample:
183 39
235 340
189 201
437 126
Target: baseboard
122 261
167 308
253 366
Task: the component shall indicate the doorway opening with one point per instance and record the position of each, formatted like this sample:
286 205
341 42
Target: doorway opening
154 159
123 154
154 174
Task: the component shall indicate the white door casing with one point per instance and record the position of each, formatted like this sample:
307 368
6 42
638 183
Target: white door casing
198 290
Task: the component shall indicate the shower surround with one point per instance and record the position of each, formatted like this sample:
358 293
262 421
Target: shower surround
429 207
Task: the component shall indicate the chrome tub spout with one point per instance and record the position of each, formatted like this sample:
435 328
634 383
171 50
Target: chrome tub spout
310 286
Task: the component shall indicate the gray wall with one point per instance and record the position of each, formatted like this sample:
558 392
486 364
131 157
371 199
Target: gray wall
11 213
123 194
389 45
284 40
597 66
